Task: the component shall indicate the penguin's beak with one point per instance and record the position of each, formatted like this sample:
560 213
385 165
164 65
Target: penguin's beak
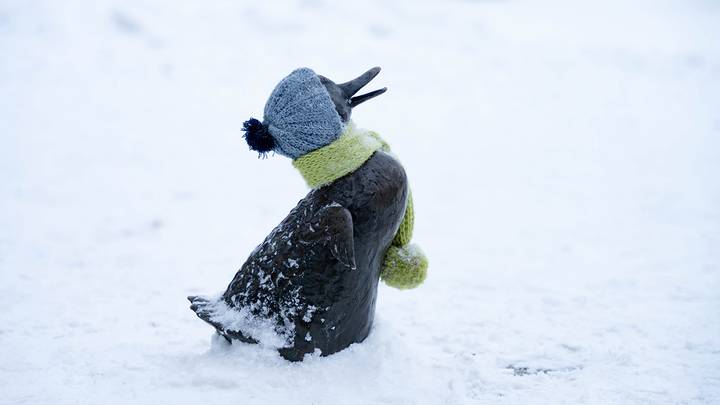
353 86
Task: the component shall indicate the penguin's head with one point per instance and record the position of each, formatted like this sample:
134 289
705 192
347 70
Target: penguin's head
305 112
343 95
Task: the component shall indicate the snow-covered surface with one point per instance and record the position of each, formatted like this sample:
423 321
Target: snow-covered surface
565 164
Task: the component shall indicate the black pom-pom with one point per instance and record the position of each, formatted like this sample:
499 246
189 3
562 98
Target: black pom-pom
258 137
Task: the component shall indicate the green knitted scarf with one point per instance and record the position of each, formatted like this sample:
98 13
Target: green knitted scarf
404 265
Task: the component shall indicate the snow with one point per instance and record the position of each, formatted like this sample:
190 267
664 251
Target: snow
261 329
564 160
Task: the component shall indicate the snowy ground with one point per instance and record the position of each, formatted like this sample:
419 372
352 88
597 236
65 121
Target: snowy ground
564 157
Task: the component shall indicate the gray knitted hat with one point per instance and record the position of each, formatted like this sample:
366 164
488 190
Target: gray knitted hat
299 117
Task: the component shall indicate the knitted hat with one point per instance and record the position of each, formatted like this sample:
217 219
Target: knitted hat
299 117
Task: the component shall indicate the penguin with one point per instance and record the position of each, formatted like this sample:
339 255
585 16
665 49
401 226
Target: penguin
311 285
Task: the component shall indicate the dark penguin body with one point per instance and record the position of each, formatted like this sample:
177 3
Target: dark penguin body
317 272
314 278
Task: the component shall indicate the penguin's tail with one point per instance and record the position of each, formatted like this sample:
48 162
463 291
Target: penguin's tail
205 308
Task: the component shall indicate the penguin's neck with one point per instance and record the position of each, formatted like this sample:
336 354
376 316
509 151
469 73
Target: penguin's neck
339 158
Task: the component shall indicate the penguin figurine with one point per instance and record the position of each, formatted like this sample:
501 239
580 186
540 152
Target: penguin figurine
311 285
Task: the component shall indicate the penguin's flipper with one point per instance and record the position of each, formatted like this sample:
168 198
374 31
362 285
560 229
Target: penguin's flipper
326 251
331 228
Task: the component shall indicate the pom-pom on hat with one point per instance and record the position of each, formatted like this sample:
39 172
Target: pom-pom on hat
299 117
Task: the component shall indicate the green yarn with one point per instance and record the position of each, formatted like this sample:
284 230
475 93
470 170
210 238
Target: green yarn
343 156
404 233
404 266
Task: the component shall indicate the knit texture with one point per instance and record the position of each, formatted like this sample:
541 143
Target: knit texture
344 156
404 233
300 115
404 265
